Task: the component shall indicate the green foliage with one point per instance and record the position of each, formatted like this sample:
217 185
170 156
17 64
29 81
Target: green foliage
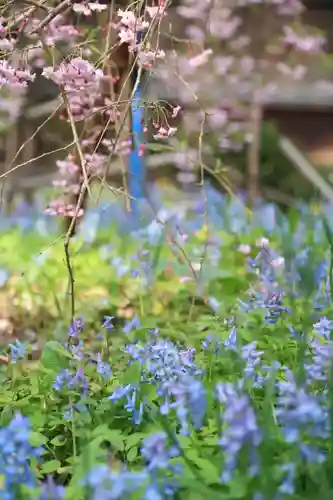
80 430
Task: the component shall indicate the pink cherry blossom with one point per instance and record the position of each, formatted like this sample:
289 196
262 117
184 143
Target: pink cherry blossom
61 208
303 42
147 58
87 8
165 132
127 36
175 111
15 78
158 11
131 21
200 59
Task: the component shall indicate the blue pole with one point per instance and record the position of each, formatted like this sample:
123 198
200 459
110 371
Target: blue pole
136 162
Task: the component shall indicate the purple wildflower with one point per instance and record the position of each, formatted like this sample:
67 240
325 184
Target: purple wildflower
231 342
130 393
156 453
107 323
70 380
323 328
107 484
212 344
134 323
15 455
287 487
17 352
188 397
51 491
103 368
120 392
70 409
131 407
76 327
154 331
214 304
78 381
301 415
251 358
240 429
321 360
77 350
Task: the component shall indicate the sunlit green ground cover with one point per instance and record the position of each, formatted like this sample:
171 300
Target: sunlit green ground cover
197 364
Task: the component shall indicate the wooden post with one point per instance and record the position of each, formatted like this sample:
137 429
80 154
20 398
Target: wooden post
28 153
12 146
254 151
117 65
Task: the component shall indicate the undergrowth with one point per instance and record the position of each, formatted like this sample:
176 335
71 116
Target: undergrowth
198 363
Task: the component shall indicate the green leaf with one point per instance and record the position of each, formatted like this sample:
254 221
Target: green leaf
115 439
132 374
113 436
149 392
6 415
37 439
238 486
100 430
37 419
58 441
51 466
210 472
132 454
134 439
54 356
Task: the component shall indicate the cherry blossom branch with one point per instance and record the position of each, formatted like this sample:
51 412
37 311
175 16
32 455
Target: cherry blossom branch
38 5
55 12
76 140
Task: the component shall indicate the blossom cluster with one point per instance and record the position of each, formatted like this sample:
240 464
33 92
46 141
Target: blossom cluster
80 82
16 452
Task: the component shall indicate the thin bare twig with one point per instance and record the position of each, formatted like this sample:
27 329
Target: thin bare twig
11 168
48 153
67 241
36 4
57 10
20 18
76 140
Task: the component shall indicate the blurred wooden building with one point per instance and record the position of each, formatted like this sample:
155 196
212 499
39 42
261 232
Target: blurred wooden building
304 110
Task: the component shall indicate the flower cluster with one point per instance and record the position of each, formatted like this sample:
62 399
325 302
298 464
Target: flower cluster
132 406
17 351
15 78
71 380
56 31
240 429
267 266
80 82
62 209
129 27
108 484
87 8
302 415
70 179
15 455
303 42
